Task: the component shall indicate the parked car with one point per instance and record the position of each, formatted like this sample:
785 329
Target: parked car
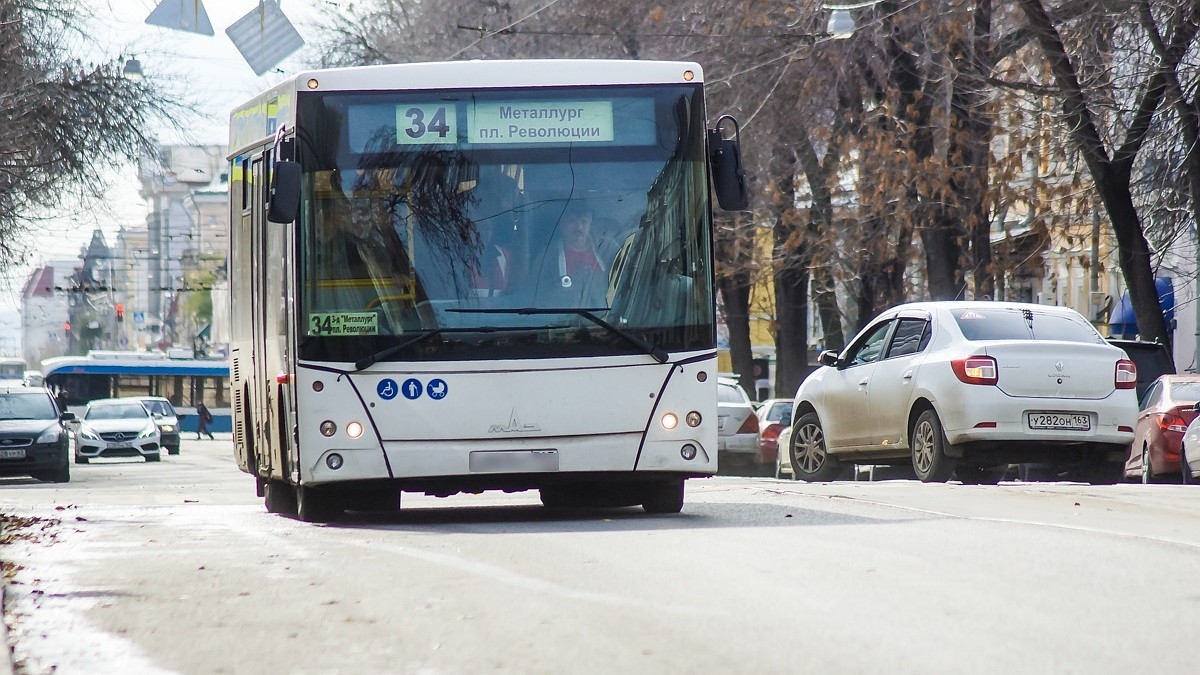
737 427
1153 360
33 434
117 427
783 466
1189 450
1164 414
167 420
966 388
774 414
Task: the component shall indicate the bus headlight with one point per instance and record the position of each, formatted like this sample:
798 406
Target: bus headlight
670 421
333 461
693 419
688 452
354 430
328 428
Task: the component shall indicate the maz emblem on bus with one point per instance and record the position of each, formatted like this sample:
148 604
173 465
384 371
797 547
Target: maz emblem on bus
514 426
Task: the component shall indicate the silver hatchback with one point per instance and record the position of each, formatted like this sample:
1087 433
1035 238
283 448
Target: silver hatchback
737 435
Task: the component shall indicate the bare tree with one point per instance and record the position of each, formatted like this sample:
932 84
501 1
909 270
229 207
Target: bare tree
65 120
1112 169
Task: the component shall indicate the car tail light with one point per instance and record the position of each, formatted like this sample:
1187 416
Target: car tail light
1170 422
768 438
976 370
1126 375
750 426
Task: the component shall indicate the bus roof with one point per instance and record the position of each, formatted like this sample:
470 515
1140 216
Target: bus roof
258 118
120 366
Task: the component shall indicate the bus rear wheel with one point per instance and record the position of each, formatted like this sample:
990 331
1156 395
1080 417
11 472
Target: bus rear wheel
279 497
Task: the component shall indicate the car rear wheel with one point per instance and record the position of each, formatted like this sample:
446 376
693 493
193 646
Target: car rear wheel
1185 471
1147 469
810 460
929 444
154 458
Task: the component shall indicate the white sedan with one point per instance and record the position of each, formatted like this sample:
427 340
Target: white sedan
117 427
965 388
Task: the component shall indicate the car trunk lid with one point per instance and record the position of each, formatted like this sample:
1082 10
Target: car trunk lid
1067 370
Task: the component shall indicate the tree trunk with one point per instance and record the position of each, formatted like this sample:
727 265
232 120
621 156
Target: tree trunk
735 296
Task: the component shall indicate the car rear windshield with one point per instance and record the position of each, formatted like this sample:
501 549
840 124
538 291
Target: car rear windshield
1185 391
1023 324
731 393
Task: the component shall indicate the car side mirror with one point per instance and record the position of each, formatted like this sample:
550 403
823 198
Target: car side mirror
1196 407
828 358
67 417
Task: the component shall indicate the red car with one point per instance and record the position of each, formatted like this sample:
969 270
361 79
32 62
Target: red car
1164 413
774 415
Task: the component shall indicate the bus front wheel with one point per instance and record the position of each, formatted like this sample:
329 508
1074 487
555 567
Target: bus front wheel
314 505
664 497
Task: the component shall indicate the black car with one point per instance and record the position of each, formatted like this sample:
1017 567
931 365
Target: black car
1151 358
33 435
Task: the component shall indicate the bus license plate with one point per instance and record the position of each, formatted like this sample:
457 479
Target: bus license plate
12 453
1065 421
513 461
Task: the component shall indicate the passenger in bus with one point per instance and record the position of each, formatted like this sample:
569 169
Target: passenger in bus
492 208
574 268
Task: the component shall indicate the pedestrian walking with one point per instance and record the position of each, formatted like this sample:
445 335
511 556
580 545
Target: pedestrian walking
206 419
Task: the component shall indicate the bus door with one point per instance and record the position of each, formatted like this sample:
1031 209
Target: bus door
262 379
275 311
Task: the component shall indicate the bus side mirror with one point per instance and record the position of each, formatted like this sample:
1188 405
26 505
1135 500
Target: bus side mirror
725 162
284 205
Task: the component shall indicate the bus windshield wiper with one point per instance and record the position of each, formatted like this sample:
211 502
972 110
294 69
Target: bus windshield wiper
384 353
656 353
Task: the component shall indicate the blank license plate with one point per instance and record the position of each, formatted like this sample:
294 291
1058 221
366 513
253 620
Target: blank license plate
1068 421
12 453
120 446
513 461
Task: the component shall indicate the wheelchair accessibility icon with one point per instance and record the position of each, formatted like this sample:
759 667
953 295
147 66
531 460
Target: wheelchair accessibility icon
387 389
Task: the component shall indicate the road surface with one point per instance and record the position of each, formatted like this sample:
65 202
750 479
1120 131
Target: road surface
176 568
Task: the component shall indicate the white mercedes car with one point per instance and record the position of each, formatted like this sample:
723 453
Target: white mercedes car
117 427
963 389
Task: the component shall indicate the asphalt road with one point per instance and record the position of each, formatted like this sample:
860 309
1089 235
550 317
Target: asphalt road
176 568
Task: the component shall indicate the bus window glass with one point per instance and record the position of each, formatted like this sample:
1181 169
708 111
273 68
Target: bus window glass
428 214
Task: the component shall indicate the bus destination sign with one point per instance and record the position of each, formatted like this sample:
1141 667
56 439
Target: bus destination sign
542 122
343 323
506 122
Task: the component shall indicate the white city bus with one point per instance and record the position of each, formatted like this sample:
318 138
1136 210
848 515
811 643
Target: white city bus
414 307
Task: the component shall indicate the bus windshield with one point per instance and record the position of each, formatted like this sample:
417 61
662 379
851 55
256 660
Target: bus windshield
454 223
